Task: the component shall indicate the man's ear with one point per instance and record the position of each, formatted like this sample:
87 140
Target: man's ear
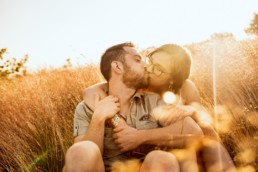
117 66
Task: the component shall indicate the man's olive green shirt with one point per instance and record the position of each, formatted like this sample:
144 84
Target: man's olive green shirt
139 117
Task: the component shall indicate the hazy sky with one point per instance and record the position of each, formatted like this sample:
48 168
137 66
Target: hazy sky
50 31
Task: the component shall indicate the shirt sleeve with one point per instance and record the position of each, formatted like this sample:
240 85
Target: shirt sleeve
81 119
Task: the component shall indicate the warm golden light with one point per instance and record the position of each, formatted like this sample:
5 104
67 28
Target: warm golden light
224 119
246 156
169 97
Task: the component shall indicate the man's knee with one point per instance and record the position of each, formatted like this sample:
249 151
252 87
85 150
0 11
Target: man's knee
81 149
158 154
82 154
163 160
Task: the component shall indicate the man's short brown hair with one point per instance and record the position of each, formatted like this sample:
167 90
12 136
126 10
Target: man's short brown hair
113 53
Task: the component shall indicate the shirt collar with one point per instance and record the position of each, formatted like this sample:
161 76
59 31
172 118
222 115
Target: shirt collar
137 95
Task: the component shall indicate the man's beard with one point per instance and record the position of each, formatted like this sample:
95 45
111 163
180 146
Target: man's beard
134 80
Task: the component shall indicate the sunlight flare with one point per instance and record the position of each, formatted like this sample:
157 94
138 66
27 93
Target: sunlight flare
169 97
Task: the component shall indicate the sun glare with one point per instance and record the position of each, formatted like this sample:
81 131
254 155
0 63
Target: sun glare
169 97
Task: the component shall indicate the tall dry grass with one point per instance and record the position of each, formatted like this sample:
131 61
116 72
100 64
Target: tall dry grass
37 110
234 107
37 118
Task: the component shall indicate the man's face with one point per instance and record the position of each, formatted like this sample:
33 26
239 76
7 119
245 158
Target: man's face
135 75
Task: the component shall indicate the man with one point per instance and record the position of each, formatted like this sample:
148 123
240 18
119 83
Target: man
95 142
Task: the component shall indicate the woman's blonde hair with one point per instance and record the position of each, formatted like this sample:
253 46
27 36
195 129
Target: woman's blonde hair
180 63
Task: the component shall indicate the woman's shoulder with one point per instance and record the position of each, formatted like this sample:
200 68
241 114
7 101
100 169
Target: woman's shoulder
189 92
188 84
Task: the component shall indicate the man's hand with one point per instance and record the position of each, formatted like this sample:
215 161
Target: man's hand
107 107
126 138
168 114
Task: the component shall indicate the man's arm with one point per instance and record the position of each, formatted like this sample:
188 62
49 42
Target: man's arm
177 135
106 108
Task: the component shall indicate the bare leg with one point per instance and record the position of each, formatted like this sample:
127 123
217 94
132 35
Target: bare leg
159 161
129 165
216 157
187 160
83 156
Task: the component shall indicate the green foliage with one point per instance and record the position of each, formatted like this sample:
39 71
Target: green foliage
11 66
253 28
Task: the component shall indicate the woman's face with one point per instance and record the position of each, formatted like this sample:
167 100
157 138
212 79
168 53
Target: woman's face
159 69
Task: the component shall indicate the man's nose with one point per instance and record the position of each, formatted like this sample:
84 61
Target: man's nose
148 68
144 64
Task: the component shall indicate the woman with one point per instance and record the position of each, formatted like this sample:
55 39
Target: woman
169 69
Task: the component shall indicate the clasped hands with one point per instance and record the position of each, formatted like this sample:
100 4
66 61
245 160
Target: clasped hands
124 135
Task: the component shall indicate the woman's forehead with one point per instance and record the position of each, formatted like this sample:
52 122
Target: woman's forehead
163 59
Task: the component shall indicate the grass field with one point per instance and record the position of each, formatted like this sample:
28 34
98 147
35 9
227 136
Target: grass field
37 110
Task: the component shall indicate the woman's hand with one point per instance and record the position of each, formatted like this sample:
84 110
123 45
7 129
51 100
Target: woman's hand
107 107
90 92
168 114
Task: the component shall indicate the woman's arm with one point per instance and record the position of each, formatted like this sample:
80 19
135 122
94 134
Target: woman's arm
168 114
178 134
100 89
173 113
106 109
90 92
191 96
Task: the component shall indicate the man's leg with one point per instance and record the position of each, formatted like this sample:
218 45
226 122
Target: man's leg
84 156
159 161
